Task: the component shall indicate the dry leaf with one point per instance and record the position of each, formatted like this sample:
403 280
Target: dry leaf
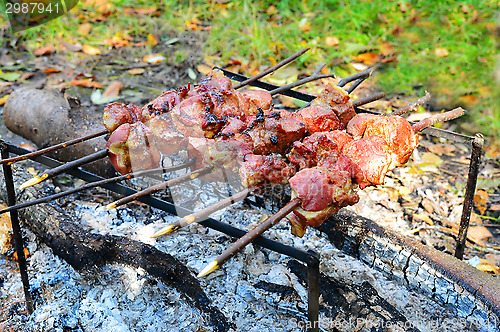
386 49
26 254
427 204
152 40
86 83
469 99
45 50
71 47
5 231
154 58
477 234
481 198
442 149
488 268
331 41
423 217
112 90
90 50
51 70
367 58
441 52
359 66
84 29
3 100
204 69
118 41
136 71
27 146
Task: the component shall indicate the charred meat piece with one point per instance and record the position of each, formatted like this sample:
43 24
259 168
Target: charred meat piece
116 114
322 193
167 139
257 169
131 148
276 132
321 147
339 100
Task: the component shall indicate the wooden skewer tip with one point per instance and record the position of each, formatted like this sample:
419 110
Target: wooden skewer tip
208 269
165 231
36 180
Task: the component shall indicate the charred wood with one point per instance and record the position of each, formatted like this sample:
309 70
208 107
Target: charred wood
472 294
83 249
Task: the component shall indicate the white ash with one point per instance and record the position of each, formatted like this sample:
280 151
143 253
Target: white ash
121 298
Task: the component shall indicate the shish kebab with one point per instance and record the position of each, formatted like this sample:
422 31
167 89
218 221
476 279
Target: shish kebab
133 116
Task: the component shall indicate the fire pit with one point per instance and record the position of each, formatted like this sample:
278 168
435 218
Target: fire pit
419 267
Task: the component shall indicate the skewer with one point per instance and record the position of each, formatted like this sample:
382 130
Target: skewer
53 147
96 184
160 186
356 84
368 99
63 168
202 214
365 73
273 68
250 236
442 117
412 106
294 203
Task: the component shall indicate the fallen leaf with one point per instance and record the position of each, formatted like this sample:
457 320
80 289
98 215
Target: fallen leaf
423 217
45 50
9 76
427 204
97 99
204 69
84 29
495 207
27 146
331 41
478 233
367 58
5 231
141 11
51 70
112 90
136 71
192 75
152 40
429 158
442 149
90 50
359 66
86 83
488 268
469 99
386 49
154 58
441 52
3 100
118 40
481 198
26 254
304 25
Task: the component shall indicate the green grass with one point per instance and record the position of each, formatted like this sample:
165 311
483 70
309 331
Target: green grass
260 32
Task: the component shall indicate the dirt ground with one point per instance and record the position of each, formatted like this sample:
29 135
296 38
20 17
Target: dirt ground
422 199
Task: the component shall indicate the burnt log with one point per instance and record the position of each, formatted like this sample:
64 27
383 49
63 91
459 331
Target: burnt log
84 249
472 294
47 118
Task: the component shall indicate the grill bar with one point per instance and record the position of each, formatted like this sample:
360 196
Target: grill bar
278 247
16 229
475 161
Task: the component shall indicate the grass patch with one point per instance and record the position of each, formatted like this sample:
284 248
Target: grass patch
447 47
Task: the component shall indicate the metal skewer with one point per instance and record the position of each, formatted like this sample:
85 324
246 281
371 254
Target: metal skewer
53 147
63 168
202 214
250 236
96 184
272 69
160 186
